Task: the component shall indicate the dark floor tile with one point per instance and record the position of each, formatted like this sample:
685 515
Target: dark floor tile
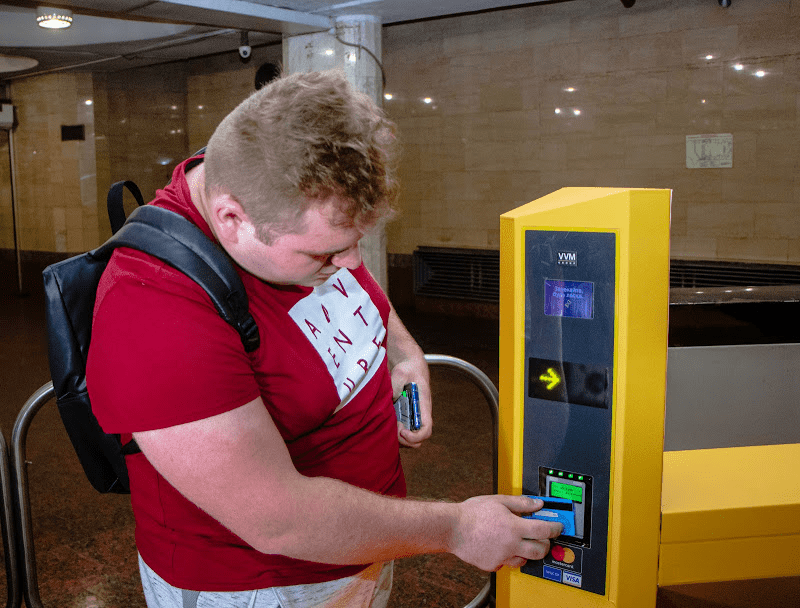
84 541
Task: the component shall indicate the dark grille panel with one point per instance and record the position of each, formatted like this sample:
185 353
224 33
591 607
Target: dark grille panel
707 273
474 274
464 274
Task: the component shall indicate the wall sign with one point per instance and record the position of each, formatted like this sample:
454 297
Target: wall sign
709 151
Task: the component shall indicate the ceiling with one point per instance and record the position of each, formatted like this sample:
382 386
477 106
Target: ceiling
111 35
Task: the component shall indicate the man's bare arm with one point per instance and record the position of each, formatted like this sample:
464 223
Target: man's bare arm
235 466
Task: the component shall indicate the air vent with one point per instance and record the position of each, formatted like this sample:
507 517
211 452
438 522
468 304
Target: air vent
707 273
474 274
464 274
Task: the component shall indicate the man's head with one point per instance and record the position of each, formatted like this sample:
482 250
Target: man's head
328 241
300 140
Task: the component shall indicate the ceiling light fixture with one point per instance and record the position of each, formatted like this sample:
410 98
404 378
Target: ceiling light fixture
53 18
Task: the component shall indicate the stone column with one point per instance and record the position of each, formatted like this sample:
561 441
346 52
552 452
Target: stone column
333 49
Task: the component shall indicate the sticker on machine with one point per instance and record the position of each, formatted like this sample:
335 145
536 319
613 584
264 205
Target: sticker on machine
551 574
566 558
570 578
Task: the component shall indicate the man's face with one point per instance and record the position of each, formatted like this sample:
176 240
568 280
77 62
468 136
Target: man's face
327 242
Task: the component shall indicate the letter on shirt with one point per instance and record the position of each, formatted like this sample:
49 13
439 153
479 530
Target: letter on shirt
346 329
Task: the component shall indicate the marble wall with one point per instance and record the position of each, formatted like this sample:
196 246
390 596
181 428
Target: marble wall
497 109
138 124
6 219
211 96
56 184
145 126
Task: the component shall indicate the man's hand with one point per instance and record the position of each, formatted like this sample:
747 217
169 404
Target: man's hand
407 364
491 534
402 374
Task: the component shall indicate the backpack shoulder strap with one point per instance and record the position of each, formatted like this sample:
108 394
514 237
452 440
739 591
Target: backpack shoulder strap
114 203
179 243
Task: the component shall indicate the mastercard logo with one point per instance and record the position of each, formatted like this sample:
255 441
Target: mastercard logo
563 554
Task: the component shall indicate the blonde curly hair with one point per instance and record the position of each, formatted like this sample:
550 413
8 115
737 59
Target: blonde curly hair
299 140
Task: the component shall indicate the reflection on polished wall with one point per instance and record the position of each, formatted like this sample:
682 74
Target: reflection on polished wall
56 187
6 220
211 97
138 125
146 133
497 109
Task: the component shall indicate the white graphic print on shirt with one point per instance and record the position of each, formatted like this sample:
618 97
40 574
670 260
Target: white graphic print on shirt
345 327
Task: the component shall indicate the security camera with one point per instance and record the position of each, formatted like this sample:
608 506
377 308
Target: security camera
724 3
244 46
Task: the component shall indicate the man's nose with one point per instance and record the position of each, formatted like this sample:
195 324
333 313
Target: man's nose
350 258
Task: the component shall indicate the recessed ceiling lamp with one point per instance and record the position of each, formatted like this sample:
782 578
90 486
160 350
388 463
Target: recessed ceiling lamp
53 18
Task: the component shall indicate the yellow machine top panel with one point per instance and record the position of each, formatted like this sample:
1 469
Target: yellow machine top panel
731 493
564 198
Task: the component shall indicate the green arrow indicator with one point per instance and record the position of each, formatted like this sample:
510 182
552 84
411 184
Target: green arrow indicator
551 378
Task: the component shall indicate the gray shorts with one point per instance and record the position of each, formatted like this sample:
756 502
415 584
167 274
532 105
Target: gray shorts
368 589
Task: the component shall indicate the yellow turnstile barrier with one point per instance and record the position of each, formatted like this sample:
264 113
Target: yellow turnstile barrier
730 514
584 302
583 348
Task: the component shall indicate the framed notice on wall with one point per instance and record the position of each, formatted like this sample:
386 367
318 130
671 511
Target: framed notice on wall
709 151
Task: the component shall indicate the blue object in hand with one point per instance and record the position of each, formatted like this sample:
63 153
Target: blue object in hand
556 509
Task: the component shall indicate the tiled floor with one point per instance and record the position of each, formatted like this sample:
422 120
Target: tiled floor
84 541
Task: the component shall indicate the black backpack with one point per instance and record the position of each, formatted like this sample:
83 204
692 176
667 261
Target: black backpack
70 288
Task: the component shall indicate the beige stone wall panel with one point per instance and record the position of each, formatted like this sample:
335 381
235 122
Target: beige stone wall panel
642 82
749 249
694 247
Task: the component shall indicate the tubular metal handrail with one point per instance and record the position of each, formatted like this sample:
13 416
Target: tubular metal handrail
45 393
489 391
19 436
9 528
492 396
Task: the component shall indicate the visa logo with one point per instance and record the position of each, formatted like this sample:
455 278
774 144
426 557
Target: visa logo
567 258
572 579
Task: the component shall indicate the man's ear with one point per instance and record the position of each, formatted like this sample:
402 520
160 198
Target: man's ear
228 218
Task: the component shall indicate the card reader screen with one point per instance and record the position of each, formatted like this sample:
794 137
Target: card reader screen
568 491
573 299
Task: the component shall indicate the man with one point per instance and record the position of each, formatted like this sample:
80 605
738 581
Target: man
273 478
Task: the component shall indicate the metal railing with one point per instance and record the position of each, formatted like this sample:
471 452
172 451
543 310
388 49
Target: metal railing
19 436
9 528
492 397
21 493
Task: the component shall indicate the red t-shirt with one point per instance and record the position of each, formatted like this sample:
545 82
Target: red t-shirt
161 356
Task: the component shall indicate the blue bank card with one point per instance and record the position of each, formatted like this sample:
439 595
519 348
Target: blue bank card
556 509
